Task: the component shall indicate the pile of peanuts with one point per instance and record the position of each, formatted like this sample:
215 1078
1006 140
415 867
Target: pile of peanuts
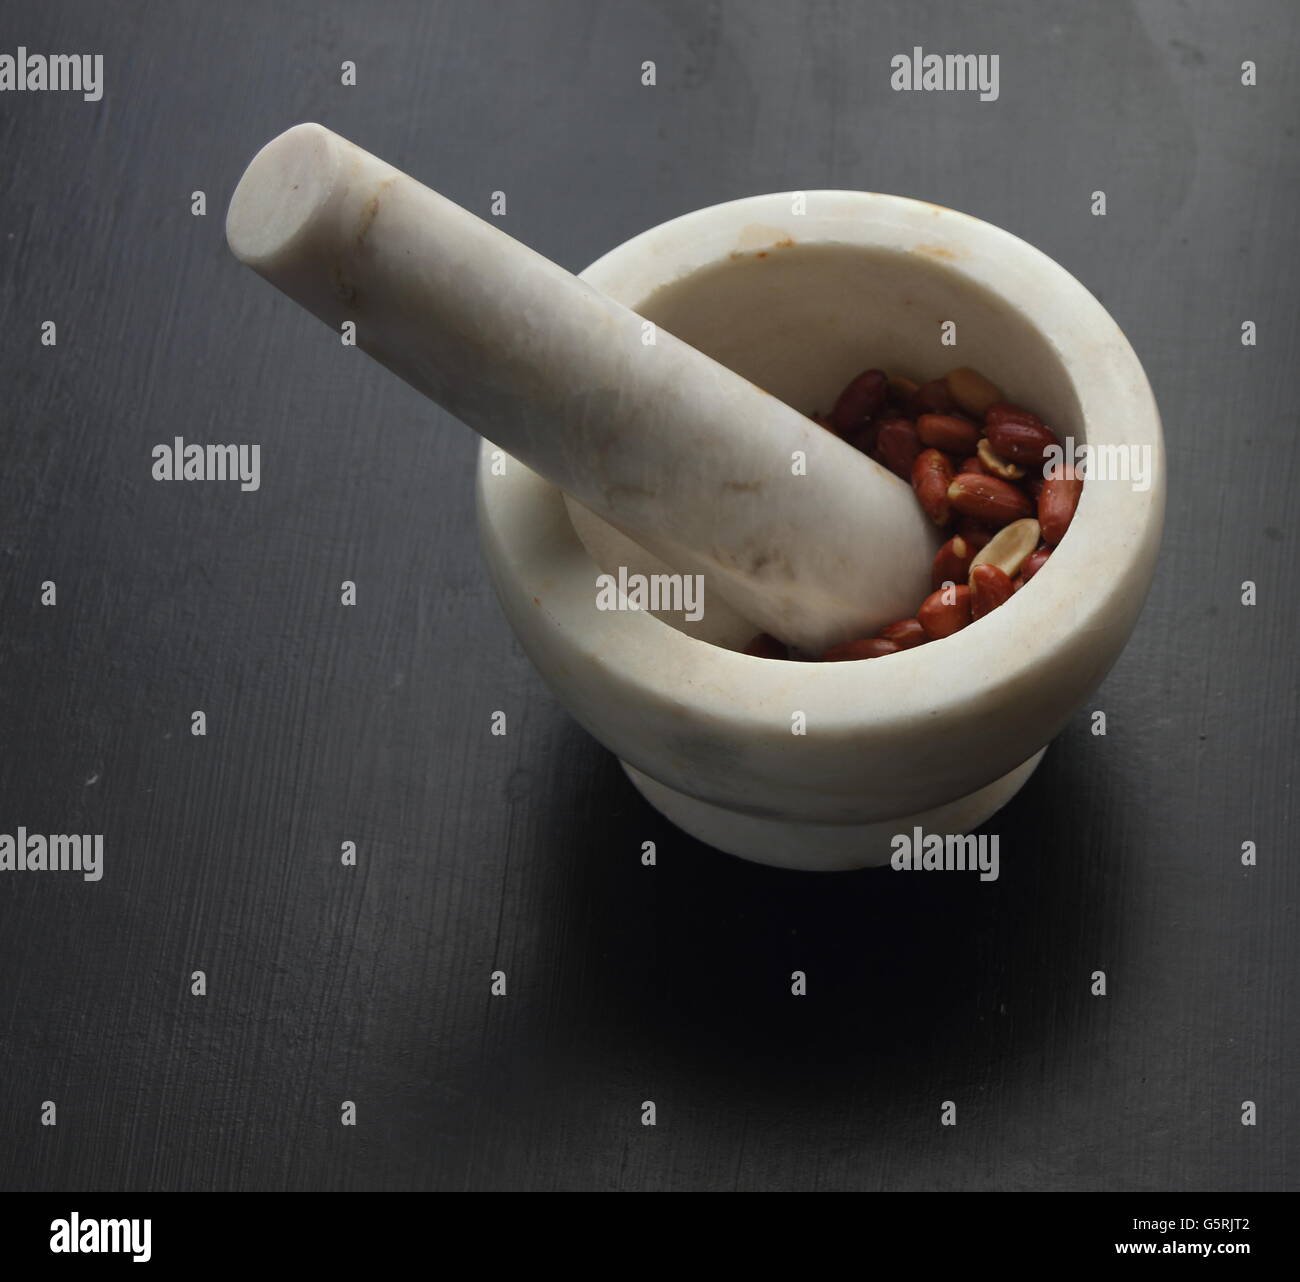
976 463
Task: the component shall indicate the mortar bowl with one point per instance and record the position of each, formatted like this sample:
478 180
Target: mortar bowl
819 766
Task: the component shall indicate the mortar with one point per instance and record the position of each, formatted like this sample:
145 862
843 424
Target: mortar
940 736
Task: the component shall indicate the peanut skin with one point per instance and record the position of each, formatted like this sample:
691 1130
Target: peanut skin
989 588
949 433
987 498
951 562
972 391
933 398
905 634
1056 503
1034 562
931 476
1019 442
765 646
897 446
860 400
868 648
944 612
980 481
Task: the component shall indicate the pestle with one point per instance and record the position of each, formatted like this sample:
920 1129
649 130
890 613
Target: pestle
681 454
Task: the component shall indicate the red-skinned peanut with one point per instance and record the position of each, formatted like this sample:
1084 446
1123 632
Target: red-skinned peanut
987 498
931 476
867 648
946 611
897 446
1056 503
989 588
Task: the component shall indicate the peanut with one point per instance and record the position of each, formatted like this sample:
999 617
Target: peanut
901 390
1006 412
766 646
987 498
897 446
946 611
976 533
905 634
863 437
972 391
933 398
1009 547
868 648
996 466
1056 503
952 562
863 398
989 588
984 487
1018 441
931 476
949 433
1034 562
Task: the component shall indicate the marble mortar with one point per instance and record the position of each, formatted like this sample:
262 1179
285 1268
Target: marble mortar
941 736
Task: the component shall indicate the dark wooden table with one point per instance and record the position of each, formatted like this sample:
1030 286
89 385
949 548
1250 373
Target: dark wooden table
475 853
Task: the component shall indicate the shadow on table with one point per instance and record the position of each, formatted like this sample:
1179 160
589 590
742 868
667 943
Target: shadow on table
914 979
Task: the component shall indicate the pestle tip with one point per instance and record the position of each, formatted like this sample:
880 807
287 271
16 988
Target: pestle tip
283 189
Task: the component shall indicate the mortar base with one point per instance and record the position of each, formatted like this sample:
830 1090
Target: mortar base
823 847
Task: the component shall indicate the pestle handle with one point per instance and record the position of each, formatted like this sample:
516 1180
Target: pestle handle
665 443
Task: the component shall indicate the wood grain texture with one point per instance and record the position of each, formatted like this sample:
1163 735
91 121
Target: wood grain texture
522 853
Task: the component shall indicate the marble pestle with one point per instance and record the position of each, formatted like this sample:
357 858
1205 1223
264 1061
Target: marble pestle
689 459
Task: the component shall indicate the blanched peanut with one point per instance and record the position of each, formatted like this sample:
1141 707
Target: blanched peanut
1009 547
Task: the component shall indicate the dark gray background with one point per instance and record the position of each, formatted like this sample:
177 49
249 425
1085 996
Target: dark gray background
522 853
